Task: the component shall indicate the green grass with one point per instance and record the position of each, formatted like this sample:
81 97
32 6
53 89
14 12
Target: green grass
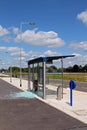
80 77
3 76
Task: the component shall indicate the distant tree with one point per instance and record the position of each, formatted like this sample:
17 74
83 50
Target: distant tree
52 69
84 68
15 69
80 68
75 68
3 70
69 69
59 70
24 69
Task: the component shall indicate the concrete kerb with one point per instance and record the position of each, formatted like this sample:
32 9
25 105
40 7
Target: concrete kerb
79 108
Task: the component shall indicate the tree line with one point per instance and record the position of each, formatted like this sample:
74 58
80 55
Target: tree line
53 68
74 68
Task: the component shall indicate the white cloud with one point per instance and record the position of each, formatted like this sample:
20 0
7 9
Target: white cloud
13 49
8 35
3 31
6 39
46 53
41 38
83 17
77 54
79 45
51 53
2 48
15 30
14 53
14 56
32 37
79 59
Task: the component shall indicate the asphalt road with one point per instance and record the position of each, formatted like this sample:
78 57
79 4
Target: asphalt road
32 114
80 86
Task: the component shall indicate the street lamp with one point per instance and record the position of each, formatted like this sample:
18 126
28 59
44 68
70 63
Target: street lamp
21 24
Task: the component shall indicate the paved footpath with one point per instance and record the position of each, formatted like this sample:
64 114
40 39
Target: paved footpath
32 114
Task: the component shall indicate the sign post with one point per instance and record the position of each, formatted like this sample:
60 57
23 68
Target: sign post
72 86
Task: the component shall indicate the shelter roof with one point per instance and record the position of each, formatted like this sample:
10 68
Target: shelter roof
47 59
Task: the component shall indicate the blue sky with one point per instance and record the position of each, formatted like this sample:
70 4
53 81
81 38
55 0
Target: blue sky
60 29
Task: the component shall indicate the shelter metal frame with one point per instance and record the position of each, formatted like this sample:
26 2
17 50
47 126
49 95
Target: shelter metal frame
45 60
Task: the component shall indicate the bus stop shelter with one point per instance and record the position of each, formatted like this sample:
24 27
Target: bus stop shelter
37 72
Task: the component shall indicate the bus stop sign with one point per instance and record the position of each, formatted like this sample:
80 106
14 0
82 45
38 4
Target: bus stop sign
72 86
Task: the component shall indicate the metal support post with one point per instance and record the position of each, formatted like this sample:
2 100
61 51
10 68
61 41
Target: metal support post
71 97
29 77
20 54
10 74
62 74
44 80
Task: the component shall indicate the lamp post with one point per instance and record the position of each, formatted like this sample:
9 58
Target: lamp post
21 24
10 70
0 66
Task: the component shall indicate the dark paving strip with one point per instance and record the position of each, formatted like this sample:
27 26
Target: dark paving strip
31 114
6 89
80 86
